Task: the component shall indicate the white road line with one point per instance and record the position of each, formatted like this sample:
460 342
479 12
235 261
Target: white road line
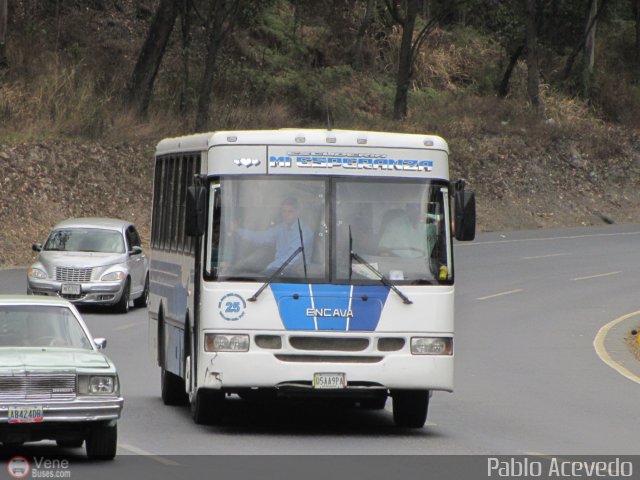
542 239
545 256
152 456
577 279
128 326
501 294
598 344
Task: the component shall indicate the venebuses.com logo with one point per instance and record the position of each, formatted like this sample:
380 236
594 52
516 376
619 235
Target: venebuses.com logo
20 467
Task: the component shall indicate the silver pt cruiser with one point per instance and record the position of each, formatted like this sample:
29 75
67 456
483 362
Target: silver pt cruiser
92 261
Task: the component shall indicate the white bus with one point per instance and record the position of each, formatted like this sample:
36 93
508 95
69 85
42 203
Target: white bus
308 263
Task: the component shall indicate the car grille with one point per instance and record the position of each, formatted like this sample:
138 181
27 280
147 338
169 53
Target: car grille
71 274
38 386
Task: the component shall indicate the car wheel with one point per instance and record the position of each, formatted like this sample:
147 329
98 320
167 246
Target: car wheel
143 300
172 389
102 442
123 304
70 443
410 408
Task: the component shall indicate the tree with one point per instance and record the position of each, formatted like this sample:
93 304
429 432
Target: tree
220 21
636 10
405 16
367 20
533 72
4 14
150 57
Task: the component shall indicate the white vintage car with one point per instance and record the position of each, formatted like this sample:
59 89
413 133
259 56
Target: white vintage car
55 382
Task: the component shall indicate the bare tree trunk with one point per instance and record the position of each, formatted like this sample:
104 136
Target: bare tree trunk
574 54
358 60
146 69
185 22
400 107
637 15
590 33
503 89
215 34
533 72
4 14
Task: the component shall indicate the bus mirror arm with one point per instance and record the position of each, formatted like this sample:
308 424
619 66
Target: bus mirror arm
196 206
465 212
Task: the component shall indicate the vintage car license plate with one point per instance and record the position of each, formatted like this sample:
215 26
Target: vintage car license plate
70 289
329 380
30 414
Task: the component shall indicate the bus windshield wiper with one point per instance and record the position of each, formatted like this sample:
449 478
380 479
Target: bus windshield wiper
283 266
354 256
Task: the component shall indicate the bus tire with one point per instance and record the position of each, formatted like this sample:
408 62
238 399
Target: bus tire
172 389
207 407
410 408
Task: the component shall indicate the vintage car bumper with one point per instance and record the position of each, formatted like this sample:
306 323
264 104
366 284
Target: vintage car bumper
82 409
93 293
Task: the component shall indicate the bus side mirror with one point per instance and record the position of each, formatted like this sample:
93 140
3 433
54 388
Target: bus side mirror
465 212
196 206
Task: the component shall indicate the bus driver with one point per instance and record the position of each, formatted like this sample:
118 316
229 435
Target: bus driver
284 236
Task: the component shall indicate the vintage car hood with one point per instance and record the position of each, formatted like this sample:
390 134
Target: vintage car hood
50 358
80 259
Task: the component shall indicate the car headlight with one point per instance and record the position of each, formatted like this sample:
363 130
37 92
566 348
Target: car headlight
215 342
98 385
113 276
36 273
432 346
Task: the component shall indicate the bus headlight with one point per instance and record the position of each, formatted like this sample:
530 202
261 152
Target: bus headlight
432 346
216 342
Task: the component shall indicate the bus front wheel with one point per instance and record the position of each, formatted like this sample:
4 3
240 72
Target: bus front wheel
410 408
207 407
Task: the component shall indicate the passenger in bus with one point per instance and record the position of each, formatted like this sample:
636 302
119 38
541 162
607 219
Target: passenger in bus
405 233
283 236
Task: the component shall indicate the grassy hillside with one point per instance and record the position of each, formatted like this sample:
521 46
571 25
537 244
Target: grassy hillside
69 147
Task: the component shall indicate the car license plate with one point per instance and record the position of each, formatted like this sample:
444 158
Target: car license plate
329 380
70 289
28 414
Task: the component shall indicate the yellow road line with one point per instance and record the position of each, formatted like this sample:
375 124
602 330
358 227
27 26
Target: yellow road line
598 344
501 294
152 456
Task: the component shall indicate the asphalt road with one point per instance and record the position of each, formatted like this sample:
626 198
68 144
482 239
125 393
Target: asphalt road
528 378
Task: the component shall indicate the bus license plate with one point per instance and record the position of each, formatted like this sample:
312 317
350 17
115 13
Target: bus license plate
70 289
329 380
26 414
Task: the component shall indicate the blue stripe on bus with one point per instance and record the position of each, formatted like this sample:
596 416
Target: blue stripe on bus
341 310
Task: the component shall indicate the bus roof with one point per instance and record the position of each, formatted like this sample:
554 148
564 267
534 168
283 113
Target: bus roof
301 137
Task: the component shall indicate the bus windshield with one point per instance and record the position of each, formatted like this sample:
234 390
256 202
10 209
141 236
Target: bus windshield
328 230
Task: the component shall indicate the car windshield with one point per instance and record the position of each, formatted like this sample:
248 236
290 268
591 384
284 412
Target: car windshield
85 240
41 326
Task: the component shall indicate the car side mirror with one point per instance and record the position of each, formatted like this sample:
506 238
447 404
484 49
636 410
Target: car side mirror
465 212
101 343
36 247
137 250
